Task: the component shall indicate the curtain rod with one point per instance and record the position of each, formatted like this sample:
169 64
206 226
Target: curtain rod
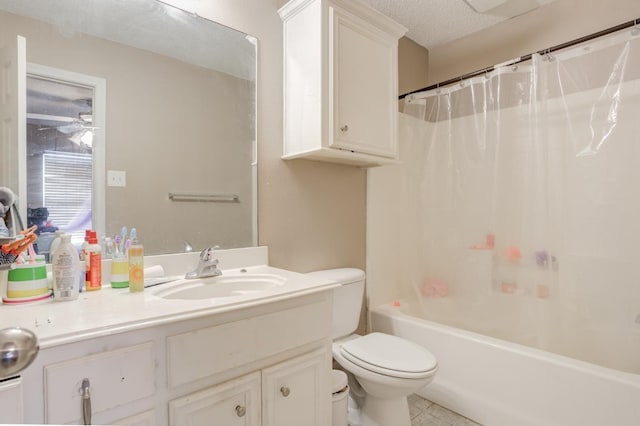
526 57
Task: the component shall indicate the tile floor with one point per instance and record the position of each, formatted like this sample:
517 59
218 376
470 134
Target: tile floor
426 413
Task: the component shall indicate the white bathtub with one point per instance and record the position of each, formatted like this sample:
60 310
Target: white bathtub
497 383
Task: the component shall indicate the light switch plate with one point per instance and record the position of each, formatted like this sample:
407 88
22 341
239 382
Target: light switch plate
116 178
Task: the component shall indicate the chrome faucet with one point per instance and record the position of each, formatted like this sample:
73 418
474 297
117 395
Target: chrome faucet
207 265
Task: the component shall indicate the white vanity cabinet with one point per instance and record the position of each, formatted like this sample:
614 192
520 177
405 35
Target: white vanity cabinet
234 403
294 391
11 403
265 364
290 393
340 82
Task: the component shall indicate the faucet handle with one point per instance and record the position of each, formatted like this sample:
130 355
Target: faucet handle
207 254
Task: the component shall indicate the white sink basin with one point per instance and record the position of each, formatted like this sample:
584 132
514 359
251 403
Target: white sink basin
224 286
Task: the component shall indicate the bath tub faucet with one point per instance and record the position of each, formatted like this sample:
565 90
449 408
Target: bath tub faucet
207 265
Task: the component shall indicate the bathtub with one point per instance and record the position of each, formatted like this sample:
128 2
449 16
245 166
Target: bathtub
496 382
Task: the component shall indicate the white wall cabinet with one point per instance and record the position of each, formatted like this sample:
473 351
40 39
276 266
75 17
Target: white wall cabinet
340 82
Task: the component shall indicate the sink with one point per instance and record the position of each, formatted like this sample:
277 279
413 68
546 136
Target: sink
223 286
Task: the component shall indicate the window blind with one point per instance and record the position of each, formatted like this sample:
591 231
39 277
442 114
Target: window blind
68 179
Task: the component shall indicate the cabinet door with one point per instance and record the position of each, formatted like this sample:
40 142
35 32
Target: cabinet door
11 408
234 403
296 392
363 85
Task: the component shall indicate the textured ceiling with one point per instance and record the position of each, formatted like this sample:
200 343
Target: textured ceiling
435 22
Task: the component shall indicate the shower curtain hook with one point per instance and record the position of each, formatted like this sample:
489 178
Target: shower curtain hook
438 91
549 57
635 30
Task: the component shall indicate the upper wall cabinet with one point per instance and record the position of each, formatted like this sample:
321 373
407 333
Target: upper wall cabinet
340 82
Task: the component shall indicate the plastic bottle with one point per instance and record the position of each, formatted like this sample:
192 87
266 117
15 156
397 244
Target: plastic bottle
55 244
66 270
93 264
83 248
136 266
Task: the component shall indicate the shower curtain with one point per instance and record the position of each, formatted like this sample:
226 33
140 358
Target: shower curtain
525 192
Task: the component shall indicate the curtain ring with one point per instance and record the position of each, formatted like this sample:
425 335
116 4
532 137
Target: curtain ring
635 30
438 91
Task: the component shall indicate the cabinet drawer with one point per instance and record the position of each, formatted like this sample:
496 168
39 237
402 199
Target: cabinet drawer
116 377
202 353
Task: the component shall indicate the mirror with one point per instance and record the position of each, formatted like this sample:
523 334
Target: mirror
168 121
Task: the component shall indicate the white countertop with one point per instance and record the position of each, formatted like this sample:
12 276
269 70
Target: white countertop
109 311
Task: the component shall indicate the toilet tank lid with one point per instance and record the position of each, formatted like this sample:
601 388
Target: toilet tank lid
340 275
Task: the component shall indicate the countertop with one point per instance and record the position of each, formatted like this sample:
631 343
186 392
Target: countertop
109 310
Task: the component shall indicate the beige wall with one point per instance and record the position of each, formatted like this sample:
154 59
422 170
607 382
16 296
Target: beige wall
553 24
413 66
310 214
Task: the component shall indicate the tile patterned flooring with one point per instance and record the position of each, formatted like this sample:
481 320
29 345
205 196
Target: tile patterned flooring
426 413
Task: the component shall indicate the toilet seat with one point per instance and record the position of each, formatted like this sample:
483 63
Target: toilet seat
389 355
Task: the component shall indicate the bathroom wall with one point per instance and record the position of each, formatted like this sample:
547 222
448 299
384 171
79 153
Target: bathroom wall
561 21
413 66
310 214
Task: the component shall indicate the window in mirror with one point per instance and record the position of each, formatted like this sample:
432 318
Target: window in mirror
61 134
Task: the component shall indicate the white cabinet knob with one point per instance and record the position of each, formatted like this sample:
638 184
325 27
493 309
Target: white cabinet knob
240 410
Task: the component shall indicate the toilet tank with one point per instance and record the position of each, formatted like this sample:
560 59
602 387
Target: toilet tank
347 299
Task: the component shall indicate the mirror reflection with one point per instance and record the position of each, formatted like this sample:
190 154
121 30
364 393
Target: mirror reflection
136 114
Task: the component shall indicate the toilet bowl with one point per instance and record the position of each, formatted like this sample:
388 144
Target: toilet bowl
387 368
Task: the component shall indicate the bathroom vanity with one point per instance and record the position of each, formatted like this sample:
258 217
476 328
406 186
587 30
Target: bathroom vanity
252 358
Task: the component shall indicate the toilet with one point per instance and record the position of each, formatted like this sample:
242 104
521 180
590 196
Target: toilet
386 368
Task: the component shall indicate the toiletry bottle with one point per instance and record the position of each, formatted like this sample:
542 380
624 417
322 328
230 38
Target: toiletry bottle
66 270
93 264
136 266
83 247
55 244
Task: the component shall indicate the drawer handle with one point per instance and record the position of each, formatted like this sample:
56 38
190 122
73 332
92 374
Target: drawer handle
344 128
240 410
285 391
86 402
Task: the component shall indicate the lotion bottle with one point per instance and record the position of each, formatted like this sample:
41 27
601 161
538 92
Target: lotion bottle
55 244
66 270
136 266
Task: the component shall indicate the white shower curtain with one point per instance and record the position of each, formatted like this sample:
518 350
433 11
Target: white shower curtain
524 186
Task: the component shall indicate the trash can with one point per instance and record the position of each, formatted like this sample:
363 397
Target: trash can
339 393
